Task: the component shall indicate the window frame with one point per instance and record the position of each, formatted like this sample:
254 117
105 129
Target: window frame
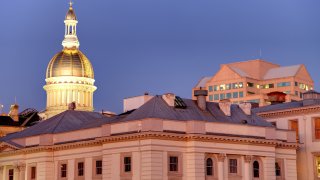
122 164
9 173
60 170
30 169
315 139
281 165
239 162
214 159
76 168
94 167
260 162
180 162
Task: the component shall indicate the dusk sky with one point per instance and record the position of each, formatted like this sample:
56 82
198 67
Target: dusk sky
154 46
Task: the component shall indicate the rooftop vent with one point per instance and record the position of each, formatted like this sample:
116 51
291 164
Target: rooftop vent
276 97
311 98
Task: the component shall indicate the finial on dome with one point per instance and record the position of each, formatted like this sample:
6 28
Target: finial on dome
70 3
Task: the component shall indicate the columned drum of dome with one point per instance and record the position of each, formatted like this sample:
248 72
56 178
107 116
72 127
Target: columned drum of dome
69 75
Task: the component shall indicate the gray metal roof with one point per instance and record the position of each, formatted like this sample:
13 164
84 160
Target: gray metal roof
202 82
281 72
71 120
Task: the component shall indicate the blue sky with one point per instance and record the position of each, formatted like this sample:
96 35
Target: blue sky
157 46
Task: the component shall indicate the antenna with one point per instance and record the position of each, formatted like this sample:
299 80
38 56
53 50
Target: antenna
15 100
260 53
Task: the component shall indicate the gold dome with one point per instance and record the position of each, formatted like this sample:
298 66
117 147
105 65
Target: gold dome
70 62
71 15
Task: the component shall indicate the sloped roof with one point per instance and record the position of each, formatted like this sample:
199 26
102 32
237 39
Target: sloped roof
281 72
202 82
239 71
158 108
64 122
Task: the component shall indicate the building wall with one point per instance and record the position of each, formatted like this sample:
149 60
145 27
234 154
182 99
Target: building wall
150 160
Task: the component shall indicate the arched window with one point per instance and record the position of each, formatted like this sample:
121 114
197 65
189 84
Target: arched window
70 30
209 167
278 169
256 172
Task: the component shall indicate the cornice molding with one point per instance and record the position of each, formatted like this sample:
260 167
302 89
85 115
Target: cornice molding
290 112
154 135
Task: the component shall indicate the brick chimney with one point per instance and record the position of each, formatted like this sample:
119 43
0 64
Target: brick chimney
201 98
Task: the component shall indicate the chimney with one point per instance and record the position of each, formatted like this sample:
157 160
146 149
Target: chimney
246 107
225 106
14 112
201 98
72 106
135 102
169 98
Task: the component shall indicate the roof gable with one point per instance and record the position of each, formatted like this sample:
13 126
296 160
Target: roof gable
226 73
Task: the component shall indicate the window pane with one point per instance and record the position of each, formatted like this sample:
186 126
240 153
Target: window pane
80 168
127 164
317 128
173 163
209 167
11 174
233 167
255 169
216 97
210 97
33 172
235 95
278 169
63 170
210 89
241 94
98 167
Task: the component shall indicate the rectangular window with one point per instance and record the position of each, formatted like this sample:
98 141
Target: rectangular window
11 174
233 166
33 172
173 163
240 85
222 96
271 85
228 95
215 88
287 92
296 93
222 87
216 97
235 86
127 164
296 83
98 167
235 94
210 97
63 170
228 86
80 168
241 94
210 89
317 128
249 84
294 126
283 84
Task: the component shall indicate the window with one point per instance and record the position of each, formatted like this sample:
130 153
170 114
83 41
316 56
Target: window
274 124
11 174
210 97
287 92
228 86
317 167
241 85
254 100
215 88
296 93
249 84
271 85
317 128
294 126
127 164
296 83
210 89
98 167
216 97
33 173
250 92
235 94
233 166
80 168
173 163
241 94
63 170
235 86
283 84
222 87
222 96
228 95
209 167
256 169
278 169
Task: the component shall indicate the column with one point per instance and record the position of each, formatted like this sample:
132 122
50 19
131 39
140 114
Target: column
22 171
1 172
247 169
221 159
88 165
74 96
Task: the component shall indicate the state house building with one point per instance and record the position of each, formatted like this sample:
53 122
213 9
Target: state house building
162 137
251 81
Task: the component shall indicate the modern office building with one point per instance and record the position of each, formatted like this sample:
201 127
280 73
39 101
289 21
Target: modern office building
251 81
